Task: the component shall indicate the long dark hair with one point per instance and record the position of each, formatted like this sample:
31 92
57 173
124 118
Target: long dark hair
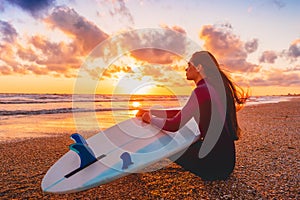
235 96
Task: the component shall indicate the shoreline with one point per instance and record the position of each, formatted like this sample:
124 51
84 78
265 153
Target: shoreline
266 168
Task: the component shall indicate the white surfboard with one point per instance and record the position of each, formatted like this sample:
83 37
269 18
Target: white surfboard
124 148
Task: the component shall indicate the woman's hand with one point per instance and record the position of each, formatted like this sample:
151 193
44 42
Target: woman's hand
146 117
141 112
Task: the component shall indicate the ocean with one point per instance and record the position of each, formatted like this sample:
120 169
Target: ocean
38 115
41 115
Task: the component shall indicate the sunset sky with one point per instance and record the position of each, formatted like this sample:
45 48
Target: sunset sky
44 43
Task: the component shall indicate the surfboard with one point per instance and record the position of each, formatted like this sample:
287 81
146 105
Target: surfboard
127 147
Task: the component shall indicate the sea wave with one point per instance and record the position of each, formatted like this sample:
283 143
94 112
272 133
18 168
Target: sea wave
37 104
57 111
45 99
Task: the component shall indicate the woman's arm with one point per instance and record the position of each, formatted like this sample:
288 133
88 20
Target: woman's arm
159 113
174 123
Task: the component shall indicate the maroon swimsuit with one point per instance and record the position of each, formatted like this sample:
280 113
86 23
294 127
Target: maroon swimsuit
220 161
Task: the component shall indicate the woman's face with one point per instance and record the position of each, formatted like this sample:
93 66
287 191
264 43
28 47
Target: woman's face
191 72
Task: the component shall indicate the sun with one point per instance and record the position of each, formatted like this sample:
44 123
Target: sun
136 104
135 108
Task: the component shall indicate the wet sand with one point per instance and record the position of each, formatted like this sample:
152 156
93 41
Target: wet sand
268 165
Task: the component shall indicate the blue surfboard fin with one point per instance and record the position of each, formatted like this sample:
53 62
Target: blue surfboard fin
78 138
126 160
81 147
85 153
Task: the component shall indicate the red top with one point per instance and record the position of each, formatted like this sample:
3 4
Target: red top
199 104
220 161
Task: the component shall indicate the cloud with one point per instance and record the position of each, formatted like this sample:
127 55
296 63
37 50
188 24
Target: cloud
152 70
164 46
147 47
294 68
59 58
268 57
41 57
276 78
45 57
251 46
34 7
279 4
8 64
37 70
155 53
120 8
231 51
5 70
166 75
116 12
7 32
174 28
85 33
112 71
228 48
291 54
27 54
154 56
294 49
281 79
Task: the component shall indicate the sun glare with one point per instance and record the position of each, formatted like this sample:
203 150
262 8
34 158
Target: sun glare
136 104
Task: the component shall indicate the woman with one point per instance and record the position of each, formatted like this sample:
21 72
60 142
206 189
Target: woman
214 92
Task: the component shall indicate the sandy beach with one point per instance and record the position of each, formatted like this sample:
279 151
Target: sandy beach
268 165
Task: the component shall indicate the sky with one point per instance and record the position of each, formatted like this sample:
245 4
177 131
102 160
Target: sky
53 46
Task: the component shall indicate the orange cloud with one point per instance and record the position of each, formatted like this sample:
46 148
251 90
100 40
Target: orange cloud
166 75
109 72
153 71
174 28
26 54
9 62
279 77
38 70
268 57
112 70
171 41
228 48
59 58
40 57
155 56
232 53
86 34
152 50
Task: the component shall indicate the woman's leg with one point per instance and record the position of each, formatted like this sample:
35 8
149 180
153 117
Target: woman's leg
205 168
188 158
